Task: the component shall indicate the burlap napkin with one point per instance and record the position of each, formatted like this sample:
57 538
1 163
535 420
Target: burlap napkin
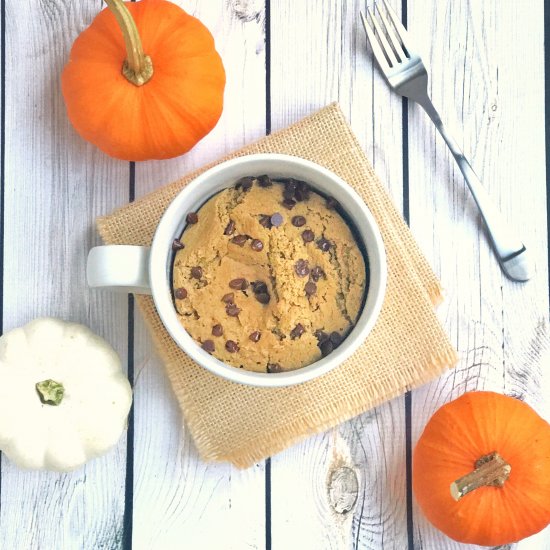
407 347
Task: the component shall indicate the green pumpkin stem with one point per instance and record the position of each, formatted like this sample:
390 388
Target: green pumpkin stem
50 392
138 67
491 470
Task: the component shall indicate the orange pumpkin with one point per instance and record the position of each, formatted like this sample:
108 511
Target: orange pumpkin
481 469
144 81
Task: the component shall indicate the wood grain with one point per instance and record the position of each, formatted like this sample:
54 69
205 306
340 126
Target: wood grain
483 72
55 185
179 500
332 64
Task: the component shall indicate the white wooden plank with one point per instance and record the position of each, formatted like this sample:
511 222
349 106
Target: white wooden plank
55 186
486 63
332 64
179 501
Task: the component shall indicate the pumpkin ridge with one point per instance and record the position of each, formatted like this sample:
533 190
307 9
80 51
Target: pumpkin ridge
104 30
525 522
456 439
103 120
165 102
149 119
180 109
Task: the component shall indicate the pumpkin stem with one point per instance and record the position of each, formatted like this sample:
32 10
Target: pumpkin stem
50 392
491 470
137 67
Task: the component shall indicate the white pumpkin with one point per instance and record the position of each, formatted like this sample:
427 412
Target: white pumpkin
64 398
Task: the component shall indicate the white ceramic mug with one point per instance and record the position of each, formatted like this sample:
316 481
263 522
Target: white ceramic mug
145 270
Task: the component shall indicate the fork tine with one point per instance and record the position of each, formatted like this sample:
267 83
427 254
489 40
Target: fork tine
401 30
376 48
383 40
399 51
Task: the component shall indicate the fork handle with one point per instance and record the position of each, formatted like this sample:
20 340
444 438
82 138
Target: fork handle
510 251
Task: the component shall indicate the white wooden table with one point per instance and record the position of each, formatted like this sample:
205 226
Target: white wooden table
284 59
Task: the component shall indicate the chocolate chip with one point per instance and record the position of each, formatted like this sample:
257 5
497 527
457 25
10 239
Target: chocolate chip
310 288
245 183
264 181
231 346
321 335
302 192
299 195
217 330
177 245
259 287
180 293
257 245
326 347
232 310
301 268
288 194
238 284
263 298
308 235
192 217
255 336
276 219
196 272
265 221
297 331
298 221
317 273
327 343
229 228
274 367
332 203
323 244
208 346
290 185
239 239
228 298
289 203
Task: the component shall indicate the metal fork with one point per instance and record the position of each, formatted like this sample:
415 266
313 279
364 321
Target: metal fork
407 75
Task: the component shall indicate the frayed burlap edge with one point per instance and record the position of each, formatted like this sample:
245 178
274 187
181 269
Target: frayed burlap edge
135 224
287 435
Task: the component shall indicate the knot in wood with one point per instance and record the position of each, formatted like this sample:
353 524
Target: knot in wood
247 10
343 487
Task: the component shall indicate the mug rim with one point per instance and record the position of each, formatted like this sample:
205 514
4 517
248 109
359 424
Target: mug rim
161 284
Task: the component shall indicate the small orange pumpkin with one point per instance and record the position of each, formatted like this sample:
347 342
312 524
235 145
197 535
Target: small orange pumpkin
144 81
481 469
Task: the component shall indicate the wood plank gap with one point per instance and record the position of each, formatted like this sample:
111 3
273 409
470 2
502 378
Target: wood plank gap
129 482
2 173
405 123
2 153
408 467
408 396
405 136
267 131
267 67
546 115
268 504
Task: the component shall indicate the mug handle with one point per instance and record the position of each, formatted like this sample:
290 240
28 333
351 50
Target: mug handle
123 268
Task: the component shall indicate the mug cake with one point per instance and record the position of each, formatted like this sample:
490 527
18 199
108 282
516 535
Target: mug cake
267 275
